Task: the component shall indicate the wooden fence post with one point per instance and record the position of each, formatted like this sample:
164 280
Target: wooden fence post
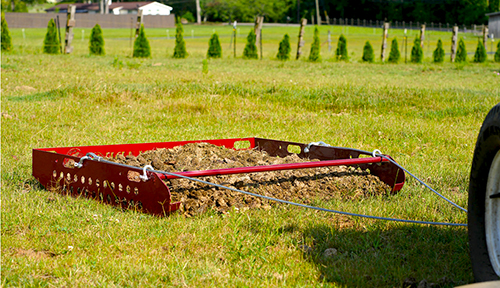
384 41
422 35
70 23
259 20
138 23
454 39
303 23
485 35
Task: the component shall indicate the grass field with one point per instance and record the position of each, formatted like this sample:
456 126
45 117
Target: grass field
425 116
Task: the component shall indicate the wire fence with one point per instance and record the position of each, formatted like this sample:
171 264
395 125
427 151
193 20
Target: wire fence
84 20
444 27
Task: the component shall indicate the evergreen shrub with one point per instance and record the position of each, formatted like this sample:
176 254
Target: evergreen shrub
314 54
6 39
438 54
141 45
417 54
284 49
214 48
180 44
96 45
51 43
461 52
497 54
368 54
250 51
480 55
341 52
394 55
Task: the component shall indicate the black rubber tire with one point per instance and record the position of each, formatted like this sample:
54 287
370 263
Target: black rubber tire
487 145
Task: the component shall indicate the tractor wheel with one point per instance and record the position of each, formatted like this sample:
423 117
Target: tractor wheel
484 201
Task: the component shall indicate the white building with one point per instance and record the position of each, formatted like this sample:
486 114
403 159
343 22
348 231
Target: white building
148 8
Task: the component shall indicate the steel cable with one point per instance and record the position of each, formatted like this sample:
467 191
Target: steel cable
97 158
416 178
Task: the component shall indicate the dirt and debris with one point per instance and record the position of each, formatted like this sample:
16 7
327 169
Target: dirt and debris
300 185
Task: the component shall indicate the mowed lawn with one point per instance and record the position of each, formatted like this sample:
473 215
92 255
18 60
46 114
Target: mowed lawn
426 116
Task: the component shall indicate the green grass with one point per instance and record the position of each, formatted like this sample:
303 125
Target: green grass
425 116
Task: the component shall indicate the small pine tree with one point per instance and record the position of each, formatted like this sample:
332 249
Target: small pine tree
250 51
180 44
461 52
284 49
141 45
417 54
394 55
341 52
6 39
214 49
438 54
480 55
96 45
368 54
497 54
314 54
51 42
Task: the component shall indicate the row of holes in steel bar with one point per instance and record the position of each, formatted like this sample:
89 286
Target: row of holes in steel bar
87 193
97 182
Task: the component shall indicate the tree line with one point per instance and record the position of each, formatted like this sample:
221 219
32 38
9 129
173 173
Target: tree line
465 12
291 11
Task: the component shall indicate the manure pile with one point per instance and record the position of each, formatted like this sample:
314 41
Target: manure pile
301 185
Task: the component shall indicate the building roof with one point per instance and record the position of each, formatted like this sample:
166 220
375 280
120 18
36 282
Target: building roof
493 14
129 5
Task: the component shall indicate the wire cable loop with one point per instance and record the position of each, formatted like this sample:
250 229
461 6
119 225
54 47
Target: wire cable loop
375 152
144 176
80 163
319 143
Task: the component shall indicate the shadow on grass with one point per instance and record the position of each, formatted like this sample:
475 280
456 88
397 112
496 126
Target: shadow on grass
405 256
51 95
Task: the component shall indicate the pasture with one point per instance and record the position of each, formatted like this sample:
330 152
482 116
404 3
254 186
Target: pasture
426 116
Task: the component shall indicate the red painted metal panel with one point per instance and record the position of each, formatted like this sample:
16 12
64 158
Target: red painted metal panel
137 148
105 182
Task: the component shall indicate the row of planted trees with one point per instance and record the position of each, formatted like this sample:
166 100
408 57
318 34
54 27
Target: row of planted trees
438 55
417 53
143 49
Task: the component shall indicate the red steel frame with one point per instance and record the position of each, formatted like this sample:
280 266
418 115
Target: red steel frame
119 185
